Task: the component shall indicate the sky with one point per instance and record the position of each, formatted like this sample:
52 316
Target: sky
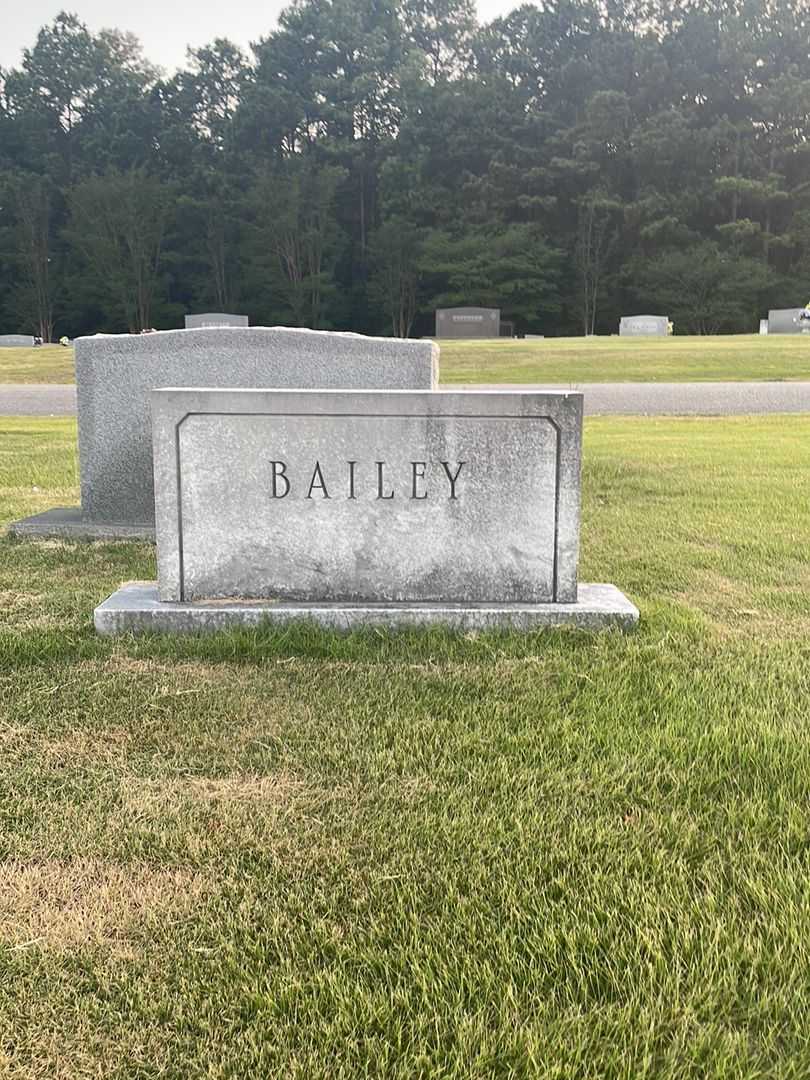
165 27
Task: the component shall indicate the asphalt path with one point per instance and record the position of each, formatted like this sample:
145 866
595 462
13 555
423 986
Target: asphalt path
632 399
37 399
678 399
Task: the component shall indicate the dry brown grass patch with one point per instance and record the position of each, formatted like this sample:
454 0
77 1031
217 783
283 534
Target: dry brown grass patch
200 672
140 795
94 748
65 905
51 543
738 609
14 603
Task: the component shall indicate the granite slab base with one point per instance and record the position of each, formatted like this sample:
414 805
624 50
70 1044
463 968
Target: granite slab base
67 522
136 609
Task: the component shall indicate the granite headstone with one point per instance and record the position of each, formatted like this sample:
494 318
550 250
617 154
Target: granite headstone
16 341
115 373
468 322
364 496
644 326
788 321
356 507
211 319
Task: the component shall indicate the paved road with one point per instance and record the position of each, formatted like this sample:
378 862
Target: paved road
639 399
681 399
37 399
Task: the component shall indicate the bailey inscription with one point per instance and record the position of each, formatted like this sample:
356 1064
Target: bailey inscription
345 477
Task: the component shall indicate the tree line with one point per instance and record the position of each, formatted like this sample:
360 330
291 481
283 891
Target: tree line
371 160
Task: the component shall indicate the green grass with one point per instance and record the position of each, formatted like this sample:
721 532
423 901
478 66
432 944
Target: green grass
45 364
614 359
555 360
296 854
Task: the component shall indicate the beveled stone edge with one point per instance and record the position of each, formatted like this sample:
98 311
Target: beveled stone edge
136 609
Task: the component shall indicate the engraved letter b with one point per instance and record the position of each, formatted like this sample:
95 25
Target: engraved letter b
280 476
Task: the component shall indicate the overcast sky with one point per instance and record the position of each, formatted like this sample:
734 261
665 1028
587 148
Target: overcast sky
165 27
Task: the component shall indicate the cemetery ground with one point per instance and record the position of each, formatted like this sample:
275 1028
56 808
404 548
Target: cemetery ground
613 359
553 360
44 364
295 853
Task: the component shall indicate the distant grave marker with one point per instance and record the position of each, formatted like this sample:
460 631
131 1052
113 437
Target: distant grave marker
16 341
213 319
788 321
644 326
468 323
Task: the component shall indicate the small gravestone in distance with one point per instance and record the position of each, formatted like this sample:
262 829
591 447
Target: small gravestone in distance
365 507
116 372
16 341
468 323
213 319
644 326
788 321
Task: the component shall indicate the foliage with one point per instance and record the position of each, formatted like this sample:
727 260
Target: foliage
371 159
117 225
706 290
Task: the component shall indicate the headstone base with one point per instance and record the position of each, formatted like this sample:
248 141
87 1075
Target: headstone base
136 609
66 522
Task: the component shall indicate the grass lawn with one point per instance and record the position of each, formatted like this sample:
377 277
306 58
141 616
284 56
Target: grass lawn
295 854
45 364
614 359
555 360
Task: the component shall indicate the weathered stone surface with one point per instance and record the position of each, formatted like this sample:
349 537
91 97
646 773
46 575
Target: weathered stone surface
788 321
212 319
136 609
114 374
367 497
16 341
468 322
643 326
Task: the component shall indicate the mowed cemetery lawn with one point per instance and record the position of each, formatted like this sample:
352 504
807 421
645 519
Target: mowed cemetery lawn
44 364
299 854
554 360
614 359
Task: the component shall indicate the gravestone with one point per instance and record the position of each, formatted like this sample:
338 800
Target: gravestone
354 507
214 319
115 373
644 326
535 337
788 321
468 323
16 341
763 326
